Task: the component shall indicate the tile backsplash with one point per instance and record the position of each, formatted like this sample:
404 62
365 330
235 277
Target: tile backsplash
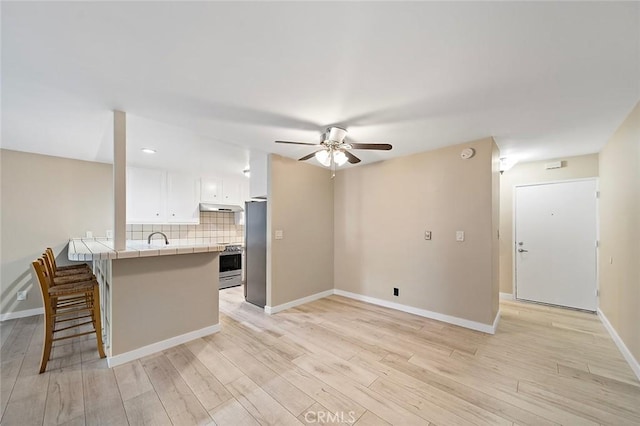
216 227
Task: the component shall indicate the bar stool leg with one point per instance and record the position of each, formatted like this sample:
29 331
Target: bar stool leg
97 322
48 338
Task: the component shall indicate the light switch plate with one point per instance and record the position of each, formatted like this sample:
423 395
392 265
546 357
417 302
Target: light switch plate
459 235
279 234
427 235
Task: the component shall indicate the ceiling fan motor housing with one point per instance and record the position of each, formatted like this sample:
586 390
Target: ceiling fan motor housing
336 134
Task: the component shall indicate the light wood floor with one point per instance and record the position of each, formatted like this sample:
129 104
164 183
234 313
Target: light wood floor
359 363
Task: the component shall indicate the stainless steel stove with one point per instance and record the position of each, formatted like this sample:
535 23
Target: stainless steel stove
231 266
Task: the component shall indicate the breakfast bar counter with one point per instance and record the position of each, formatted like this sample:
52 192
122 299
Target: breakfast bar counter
153 296
86 249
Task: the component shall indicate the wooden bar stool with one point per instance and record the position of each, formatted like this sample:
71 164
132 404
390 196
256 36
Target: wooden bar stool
64 303
67 277
65 270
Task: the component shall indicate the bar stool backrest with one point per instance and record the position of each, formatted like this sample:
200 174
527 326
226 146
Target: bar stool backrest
45 282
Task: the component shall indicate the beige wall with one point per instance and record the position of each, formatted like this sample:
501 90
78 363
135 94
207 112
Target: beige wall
45 201
382 211
619 266
583 166
150 296
301 205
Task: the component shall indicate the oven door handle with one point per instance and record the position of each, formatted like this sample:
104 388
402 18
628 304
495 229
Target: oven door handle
230 277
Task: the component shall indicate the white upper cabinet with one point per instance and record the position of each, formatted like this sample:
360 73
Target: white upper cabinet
158 196
182 198
146 195
259 174
224 191
231 192
211 190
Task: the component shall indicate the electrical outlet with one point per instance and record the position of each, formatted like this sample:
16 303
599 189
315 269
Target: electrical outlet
22 295
427 235
459 236
396 292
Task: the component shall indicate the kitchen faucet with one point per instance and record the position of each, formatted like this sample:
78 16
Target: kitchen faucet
166 240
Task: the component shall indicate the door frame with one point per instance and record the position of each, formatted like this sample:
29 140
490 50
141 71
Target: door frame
514 283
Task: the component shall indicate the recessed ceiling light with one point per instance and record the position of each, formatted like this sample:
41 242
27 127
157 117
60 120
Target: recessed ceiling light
148 150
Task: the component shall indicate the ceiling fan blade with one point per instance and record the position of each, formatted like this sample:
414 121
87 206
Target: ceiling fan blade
299 143
378 146
306 157
352 158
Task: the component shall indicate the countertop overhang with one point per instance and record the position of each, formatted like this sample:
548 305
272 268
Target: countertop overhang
85 249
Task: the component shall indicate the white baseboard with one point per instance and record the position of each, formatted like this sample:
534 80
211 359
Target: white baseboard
506 296
153 348
626 353
494 326
274 309
21 314
485 328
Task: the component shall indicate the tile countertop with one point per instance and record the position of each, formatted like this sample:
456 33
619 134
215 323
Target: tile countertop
84 249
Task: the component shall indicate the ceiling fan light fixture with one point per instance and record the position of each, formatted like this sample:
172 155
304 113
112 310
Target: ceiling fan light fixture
334 151
323 158
339 157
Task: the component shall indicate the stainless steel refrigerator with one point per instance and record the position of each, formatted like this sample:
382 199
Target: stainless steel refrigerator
255 225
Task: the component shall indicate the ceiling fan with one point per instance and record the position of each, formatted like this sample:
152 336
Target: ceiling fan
334 151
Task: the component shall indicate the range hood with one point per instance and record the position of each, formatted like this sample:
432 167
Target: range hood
207 207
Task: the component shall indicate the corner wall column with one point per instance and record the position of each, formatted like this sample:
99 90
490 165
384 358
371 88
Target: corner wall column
119 179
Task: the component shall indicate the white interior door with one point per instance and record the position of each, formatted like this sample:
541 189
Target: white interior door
555 243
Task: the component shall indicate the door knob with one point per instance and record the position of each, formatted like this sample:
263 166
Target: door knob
522 251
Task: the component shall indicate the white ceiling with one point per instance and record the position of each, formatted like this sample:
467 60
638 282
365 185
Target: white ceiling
546 79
